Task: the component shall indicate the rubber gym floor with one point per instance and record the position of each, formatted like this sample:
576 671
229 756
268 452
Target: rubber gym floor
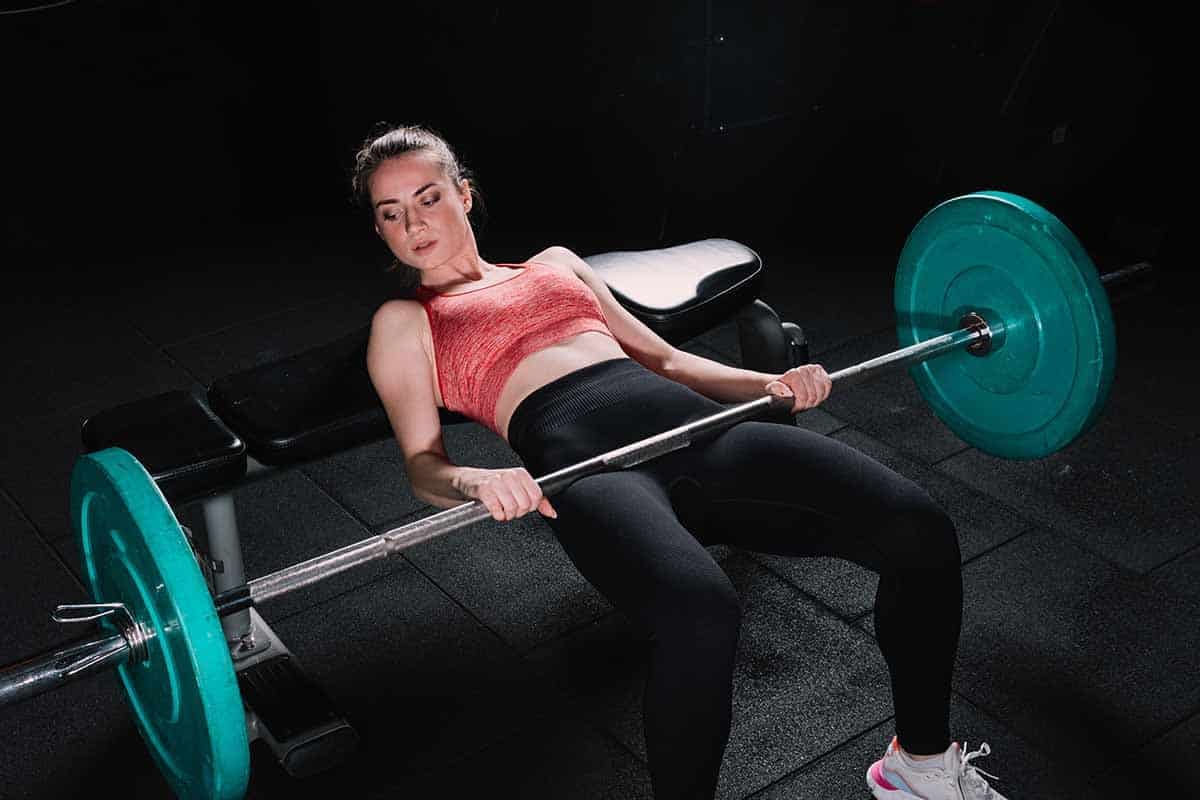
482 665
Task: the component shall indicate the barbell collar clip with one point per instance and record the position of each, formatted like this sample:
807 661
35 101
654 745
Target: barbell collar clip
134 633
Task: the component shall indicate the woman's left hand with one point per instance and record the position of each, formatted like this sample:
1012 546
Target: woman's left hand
808 384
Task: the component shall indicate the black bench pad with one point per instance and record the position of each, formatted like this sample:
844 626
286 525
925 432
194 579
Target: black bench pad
308 405
184 446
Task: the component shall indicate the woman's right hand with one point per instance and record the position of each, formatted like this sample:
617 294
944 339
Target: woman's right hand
507 493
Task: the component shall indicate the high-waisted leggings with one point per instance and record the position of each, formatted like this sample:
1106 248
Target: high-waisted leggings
639 537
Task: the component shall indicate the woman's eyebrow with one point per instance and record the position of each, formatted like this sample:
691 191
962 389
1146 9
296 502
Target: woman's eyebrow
388 200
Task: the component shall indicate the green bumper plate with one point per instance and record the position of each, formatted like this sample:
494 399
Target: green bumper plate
184 696
1052 362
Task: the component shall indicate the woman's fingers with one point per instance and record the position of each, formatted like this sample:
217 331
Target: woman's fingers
809 385
512 493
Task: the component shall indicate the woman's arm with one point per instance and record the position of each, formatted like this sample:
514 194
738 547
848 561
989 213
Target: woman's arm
713 379
403 378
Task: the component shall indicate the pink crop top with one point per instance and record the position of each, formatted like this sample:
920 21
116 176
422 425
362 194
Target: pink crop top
481 335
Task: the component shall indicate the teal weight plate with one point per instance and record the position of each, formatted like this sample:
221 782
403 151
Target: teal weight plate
1053 358
184 696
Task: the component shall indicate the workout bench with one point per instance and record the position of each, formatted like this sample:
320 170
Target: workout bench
282 414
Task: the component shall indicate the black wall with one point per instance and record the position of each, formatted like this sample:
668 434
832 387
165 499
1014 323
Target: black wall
138 128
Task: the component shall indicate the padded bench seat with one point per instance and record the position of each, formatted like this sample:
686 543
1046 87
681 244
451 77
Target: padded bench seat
184 446
321 401
680 292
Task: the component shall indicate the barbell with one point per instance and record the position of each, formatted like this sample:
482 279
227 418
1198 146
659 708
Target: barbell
1001 316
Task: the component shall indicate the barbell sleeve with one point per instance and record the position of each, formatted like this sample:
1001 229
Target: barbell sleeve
56 668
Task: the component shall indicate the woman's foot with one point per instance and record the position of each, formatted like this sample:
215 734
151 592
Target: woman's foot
950 776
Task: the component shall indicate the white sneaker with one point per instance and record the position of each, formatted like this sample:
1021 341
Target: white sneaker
949 777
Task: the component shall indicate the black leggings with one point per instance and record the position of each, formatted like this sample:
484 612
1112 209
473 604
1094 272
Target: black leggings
639 537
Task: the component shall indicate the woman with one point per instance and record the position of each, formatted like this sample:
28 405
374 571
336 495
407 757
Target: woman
543 354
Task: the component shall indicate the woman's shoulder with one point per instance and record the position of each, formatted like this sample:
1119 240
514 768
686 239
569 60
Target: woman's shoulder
397 315
555 255
563 259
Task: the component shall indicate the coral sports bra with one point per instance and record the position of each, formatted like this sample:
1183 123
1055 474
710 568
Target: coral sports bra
481 335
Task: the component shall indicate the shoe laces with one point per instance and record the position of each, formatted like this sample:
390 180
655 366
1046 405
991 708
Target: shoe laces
971 772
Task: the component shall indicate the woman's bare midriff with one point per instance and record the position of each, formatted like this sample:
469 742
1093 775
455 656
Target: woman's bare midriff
552 363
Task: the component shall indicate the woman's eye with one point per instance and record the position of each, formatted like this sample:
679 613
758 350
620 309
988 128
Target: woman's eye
431 200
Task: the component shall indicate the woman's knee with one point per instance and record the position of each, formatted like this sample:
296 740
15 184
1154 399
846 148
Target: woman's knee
923 536
703 610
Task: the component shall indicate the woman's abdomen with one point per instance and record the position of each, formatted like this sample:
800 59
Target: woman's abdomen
551 363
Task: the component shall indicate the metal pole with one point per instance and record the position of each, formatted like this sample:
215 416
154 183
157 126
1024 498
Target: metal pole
52 670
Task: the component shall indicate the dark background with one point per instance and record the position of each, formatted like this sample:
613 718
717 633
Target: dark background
135 130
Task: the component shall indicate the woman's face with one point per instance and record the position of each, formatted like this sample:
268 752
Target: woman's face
419 213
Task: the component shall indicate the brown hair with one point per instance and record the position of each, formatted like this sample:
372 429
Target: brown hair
396 141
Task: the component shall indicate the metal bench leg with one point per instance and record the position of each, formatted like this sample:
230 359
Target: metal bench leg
285 708
225 550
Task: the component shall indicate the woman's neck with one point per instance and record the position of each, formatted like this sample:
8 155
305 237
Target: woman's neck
455 272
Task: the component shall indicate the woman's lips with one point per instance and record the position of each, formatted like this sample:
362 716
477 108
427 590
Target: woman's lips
424 247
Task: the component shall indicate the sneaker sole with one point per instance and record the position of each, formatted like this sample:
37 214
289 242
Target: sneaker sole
883 793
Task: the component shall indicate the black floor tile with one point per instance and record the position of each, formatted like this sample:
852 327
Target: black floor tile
1168 763
77 353
1056 643
1123 490
819 420
423 683
551 760
212 288
1181 576
61 745
887 405
30 593
1153 343
40 454
272 338
514 577
369 481
834 300
722 341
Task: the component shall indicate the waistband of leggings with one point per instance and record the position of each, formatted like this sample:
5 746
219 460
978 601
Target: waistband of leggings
576 395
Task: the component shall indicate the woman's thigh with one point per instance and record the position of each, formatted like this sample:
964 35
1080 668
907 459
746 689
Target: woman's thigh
622 534
781 489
